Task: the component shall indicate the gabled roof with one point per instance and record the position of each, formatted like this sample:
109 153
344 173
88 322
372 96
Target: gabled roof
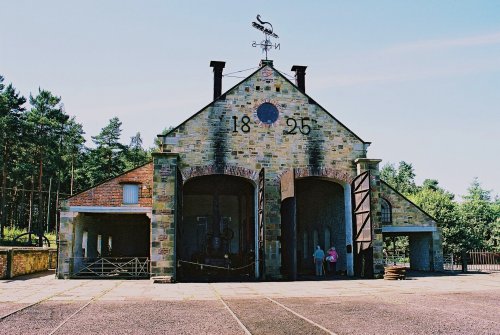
107 180
411 202
223 97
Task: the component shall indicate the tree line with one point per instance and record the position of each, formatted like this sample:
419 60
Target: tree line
473 223
43 157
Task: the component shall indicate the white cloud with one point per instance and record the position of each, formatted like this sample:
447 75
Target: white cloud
416 61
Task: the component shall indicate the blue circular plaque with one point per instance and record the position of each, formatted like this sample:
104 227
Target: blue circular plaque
267 113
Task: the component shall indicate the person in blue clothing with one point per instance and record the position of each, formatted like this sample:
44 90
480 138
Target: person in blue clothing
318 256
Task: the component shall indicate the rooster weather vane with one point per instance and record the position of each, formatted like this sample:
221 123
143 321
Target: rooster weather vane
267 28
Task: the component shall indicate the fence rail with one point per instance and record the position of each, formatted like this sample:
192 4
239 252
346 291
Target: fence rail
475 260
399 260
110 267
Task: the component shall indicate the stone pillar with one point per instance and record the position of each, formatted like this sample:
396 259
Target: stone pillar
65 247
437 251
164 215
272 226
420 252
367 164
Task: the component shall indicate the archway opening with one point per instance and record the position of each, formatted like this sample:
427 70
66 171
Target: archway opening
216 236
320 221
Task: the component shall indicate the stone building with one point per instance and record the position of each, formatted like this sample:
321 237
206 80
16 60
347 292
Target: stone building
246 188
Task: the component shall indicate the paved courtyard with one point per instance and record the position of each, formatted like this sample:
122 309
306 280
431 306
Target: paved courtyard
454 304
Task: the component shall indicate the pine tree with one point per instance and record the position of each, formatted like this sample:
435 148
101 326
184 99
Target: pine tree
107 159
45 120
11 118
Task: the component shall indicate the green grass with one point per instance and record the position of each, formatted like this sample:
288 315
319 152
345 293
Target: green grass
12 232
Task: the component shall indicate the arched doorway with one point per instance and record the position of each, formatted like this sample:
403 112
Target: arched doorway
216 236
320 220
317 213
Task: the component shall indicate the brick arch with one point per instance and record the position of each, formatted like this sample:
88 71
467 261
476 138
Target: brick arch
206 170
325 172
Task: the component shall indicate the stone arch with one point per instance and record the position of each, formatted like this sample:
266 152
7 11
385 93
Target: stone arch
344 179
231 170
335 175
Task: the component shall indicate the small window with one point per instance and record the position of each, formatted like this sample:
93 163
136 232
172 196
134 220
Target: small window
85 239
130 194
386 211
99 245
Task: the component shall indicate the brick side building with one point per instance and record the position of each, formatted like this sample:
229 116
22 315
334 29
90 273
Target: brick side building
246 188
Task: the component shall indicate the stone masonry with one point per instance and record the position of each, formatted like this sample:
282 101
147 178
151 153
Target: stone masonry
227 137
228 133
407 214
164 215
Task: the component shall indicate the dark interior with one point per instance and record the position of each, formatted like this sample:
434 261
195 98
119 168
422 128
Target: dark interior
320 221
216 237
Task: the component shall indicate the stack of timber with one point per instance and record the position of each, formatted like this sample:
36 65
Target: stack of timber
395 272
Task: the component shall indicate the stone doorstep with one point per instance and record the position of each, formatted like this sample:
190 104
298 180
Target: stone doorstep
162 280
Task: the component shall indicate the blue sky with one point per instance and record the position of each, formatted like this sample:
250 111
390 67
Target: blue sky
421 80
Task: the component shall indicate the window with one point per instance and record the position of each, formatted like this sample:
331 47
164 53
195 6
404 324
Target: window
85 239
386 211
99 245
130 194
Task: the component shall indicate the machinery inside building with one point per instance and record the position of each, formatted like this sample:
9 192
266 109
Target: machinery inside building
217 229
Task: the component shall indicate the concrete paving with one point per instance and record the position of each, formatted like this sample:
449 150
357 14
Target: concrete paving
446 304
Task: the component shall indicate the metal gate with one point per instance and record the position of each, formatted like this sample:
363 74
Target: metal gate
110 267
362 226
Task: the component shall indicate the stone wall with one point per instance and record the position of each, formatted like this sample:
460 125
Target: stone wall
404 212
164 215
3 263
110 192
227 134
426 249
66 236
22 261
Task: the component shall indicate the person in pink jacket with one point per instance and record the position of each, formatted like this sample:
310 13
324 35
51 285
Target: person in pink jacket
331 260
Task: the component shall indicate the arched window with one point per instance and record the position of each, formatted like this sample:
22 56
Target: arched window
386 211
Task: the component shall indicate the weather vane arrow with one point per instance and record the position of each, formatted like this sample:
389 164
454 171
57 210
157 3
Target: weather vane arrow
267 28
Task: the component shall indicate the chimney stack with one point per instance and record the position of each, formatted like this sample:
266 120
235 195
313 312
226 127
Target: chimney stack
218 66
300 76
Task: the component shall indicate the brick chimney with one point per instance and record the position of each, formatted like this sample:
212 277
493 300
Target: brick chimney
218 66
300 76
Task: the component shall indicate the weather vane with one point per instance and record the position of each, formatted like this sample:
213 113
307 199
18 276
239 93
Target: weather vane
267 28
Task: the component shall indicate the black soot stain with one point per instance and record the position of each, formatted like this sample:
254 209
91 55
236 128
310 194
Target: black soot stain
219 140
315 154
